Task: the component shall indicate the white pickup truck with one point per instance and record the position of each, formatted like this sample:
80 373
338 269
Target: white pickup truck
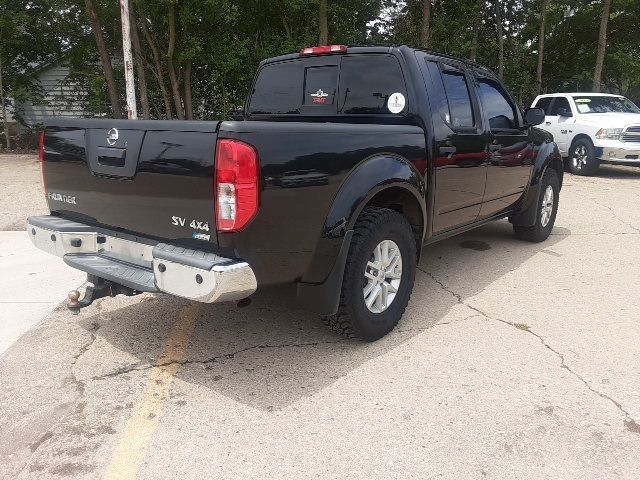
591 128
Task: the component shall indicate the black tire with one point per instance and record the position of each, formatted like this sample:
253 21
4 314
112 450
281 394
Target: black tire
354 319
582 158
541 230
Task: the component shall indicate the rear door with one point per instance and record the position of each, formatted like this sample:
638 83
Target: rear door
461 154
152 178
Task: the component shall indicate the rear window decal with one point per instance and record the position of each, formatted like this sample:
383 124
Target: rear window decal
320 97
396 102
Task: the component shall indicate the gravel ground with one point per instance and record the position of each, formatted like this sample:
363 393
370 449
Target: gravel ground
22 194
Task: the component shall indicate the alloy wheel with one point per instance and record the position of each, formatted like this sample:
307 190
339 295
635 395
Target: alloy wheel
546 209
382 275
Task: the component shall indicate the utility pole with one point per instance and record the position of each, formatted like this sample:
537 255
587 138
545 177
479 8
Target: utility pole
128 61
4 109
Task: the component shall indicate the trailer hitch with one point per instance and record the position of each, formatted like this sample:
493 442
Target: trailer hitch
99 288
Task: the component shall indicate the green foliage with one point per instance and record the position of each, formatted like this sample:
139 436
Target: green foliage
224 40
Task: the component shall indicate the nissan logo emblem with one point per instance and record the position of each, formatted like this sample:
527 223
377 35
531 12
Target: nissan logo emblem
112 136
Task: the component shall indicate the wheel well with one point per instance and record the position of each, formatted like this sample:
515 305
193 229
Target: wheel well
405 203
580 136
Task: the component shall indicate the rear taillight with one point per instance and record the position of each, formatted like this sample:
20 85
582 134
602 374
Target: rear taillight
323 50
41 157
236 185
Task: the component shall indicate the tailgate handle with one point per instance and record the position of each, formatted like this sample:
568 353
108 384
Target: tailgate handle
112 157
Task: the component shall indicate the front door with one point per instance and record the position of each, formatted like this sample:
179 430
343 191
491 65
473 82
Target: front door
510 152
558 124
460 159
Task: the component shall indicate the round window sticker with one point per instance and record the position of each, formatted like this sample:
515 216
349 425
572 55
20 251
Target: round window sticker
396 103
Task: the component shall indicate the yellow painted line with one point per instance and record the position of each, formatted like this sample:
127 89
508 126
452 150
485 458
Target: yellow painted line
139 430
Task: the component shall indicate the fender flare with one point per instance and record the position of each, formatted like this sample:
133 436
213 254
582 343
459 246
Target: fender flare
548 156
320 286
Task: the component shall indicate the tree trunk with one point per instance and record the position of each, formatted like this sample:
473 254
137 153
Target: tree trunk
173 77
5 122
139 59
324 31
188 101
602 45
426 24
499 29
104 58
158 67
543 17
477 24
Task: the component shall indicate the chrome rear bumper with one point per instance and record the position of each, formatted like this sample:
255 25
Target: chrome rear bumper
142 265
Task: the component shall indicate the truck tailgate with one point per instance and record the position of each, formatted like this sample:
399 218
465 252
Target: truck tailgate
153 178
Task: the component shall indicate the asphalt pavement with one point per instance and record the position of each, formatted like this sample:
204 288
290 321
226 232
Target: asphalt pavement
513 361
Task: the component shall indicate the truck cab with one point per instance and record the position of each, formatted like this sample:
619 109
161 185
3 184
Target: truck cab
592 128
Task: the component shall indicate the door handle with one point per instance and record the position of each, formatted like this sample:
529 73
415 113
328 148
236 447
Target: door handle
449 151
494 147
547 123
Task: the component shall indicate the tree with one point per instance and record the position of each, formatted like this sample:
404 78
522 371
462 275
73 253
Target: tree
140 63
500 33
96 26
602 45
543 16
324 31
426 23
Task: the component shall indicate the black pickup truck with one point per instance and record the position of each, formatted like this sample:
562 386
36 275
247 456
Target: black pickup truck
346 162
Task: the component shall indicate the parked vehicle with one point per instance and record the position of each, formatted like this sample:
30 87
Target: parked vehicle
591 128
348 161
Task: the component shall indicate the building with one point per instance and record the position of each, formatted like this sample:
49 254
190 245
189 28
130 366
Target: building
61 96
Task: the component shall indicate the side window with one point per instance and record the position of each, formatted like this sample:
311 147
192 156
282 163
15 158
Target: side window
458 97
277 90
544 103
498 109
560 103
368 84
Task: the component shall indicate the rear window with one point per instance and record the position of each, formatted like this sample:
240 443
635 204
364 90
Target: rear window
371 84
320 84
277 90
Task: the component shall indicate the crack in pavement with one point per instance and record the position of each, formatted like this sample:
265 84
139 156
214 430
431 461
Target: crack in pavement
80 386
147 366
629 422
615 215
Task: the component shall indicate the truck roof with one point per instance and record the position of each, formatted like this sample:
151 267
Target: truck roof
386 49
591 94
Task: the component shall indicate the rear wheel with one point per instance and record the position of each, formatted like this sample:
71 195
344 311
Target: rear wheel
378 277
546 210
582 158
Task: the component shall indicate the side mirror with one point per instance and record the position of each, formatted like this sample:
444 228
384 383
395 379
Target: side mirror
533 116
563 112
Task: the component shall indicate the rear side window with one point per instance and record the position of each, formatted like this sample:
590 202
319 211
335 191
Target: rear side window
460 110
499 110
544 103
277 90
369 84
561 103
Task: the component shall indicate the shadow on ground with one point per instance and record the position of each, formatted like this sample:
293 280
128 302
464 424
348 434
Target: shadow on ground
618 172
272 353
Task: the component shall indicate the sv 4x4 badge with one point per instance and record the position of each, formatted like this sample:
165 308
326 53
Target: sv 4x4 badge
195 224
